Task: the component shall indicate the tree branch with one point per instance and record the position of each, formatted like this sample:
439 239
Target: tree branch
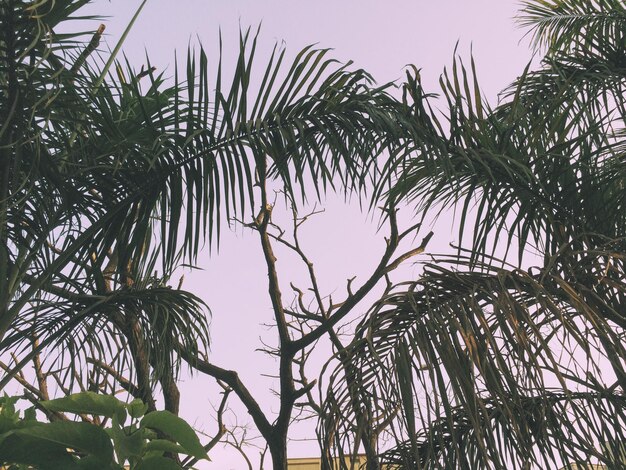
221 427
231 378
384 266
123 381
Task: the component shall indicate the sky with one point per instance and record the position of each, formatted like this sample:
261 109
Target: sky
380 37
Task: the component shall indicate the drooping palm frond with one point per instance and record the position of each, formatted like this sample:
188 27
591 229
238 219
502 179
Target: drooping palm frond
169 152
125 163
204 148
44 107
494 369
483 364
585 81
85 322
517 171
568 25
573 418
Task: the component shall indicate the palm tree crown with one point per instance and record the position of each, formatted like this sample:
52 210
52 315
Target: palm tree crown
517 362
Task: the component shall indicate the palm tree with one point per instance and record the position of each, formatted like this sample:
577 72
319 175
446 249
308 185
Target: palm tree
111 177
509 353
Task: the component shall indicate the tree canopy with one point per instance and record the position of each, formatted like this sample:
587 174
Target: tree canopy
507 352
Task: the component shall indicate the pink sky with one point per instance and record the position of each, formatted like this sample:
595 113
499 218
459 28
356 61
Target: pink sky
381 37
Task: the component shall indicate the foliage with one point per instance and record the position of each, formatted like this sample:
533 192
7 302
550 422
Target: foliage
144 442
508 353
113 174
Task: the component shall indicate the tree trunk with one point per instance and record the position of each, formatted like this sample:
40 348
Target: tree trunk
277 445
278 451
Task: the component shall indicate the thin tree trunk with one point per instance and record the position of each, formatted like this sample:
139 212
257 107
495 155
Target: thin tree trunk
139 354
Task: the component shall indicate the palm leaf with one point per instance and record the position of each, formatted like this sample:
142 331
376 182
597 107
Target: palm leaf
572 24
144 160
509 368
518 171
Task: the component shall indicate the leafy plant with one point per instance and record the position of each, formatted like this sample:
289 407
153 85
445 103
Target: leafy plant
133 439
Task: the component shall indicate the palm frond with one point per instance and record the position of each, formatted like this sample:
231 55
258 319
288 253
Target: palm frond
573 418
82 327
146 160
517 171
494 362
566 25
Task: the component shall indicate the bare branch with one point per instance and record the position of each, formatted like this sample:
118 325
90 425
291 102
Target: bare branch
41 379
409 254
232 379
35 400
353 300
22 381
221 427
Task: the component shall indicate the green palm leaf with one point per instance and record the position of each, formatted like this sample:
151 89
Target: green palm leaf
508 367
113 169
573 24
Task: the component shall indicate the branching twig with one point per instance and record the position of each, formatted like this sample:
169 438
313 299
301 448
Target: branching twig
221 427
232 379
378 274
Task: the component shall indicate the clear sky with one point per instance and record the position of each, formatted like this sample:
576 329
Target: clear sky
381 37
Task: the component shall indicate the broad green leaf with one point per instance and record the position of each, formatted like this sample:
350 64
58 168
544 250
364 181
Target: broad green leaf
137 408
177 429
84 437
92 463
87 403
128 444
48 446
7 423
163 445
18 449
7 406
30 414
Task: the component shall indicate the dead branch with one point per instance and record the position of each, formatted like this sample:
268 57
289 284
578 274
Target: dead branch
221 427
